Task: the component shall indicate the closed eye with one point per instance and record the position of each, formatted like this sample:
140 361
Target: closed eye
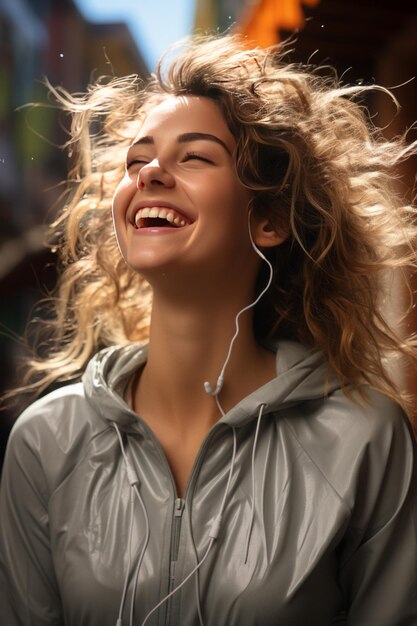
190 156
136 162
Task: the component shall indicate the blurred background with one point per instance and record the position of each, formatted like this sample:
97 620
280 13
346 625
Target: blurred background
73 41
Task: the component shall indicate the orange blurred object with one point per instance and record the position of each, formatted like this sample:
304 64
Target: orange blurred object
261 23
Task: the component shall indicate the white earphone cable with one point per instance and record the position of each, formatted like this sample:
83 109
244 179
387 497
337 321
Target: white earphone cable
207 386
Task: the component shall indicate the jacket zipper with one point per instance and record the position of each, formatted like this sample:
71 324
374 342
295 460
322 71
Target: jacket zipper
179 503
175 544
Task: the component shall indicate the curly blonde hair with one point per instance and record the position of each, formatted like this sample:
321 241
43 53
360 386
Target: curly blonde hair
318 168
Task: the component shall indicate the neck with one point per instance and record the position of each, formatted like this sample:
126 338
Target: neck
188 346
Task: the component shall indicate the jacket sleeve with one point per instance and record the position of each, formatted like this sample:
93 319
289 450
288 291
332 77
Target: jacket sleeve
28 588
379 562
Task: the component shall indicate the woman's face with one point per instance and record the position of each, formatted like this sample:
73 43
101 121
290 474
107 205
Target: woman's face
180 206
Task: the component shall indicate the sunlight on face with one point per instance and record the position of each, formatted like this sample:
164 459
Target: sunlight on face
182 162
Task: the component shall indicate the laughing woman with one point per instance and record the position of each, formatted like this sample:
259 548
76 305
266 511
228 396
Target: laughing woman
235 453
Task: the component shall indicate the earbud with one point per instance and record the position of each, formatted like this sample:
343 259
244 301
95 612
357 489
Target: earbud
209 390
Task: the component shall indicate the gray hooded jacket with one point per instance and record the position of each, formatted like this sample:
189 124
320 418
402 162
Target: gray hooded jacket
300 509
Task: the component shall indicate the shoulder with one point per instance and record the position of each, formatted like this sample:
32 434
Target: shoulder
357 444
59 413
373 419
53 433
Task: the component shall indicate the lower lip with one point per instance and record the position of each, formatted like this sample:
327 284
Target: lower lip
154 230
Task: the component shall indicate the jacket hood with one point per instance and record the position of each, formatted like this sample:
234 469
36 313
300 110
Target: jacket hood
302 374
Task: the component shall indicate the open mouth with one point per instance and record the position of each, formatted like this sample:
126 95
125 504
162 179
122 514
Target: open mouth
159 217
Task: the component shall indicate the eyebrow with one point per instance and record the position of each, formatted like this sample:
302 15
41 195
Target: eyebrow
184 138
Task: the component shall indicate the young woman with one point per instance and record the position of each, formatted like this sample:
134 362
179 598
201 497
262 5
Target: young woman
245 461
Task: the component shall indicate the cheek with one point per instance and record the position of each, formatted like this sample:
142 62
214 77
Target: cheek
120 204
233 203
123 194
223 195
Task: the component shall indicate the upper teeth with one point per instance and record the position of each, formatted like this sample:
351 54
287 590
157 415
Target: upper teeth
165 214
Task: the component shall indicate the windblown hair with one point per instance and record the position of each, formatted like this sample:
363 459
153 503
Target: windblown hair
318 168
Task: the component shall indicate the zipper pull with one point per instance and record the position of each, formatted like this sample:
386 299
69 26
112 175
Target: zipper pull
179 507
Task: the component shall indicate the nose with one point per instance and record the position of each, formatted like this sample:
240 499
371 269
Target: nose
152 174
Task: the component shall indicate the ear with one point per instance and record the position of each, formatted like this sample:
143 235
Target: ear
265 235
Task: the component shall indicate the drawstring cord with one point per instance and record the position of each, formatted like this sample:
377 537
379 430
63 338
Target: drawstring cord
252 517
142 554
197 597
134 483
123 600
